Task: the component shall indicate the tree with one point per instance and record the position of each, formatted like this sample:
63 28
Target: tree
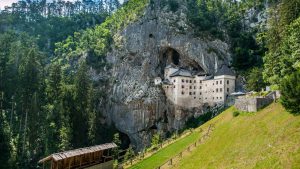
255 80
80 117
117 141
290 92
5 147
30 92
53 108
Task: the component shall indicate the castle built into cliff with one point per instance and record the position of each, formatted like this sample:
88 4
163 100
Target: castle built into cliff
195 89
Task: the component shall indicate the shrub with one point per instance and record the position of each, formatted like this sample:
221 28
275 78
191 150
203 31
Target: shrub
235 113
290 93
155 140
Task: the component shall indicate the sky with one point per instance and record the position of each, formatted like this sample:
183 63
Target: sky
4 3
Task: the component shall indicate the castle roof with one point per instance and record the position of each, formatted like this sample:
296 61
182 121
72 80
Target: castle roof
182 72
208 78
225 70
167 82
202 73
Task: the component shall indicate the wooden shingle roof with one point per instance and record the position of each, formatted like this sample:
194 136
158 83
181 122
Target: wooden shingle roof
78 152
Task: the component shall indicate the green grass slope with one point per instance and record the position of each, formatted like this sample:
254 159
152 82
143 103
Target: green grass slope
166 153
267 139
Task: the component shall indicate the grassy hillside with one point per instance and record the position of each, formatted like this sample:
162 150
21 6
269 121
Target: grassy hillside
269 138
163 155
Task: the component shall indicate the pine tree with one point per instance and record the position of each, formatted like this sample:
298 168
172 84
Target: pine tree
5 147
80 117
290 91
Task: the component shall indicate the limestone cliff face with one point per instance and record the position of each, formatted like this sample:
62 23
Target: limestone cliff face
140 52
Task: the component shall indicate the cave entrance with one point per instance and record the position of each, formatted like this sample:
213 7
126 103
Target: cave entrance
169 56
125 141
172 56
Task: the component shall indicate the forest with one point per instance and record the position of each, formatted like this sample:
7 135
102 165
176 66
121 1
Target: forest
48 100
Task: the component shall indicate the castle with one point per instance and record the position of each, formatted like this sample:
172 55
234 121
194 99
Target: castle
194 89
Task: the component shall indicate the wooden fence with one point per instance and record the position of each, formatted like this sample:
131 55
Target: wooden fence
186 151
149 152
137 158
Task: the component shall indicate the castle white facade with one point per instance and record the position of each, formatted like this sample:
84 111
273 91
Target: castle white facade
189 90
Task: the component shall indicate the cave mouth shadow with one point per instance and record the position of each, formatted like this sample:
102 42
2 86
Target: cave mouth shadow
169 56
125 140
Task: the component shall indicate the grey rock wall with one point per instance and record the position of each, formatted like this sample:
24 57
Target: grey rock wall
136 106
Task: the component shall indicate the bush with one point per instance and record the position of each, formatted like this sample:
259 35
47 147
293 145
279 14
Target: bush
290 93
155 140
235 113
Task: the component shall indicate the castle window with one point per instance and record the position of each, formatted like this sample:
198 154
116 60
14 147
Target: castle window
190 87
194 97
168 87
190 81
174 80
217 97
213 83
221 90
217 82
200 87
186 81
220 81
220 97
194 93
213 98
182 86
227 89
190 93
200 81
217 90
194 87
194 81
174 87
200 93
182 93
205 98
182 80
227 81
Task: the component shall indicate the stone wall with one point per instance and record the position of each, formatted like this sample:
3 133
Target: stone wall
253 104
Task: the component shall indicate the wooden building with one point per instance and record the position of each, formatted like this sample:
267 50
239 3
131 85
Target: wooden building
95 157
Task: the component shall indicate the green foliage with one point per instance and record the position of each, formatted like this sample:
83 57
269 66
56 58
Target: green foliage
155 140
224 20
282 41
95 42
255 80
290 91
5 147
117 141
196 122
235 113
129 154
